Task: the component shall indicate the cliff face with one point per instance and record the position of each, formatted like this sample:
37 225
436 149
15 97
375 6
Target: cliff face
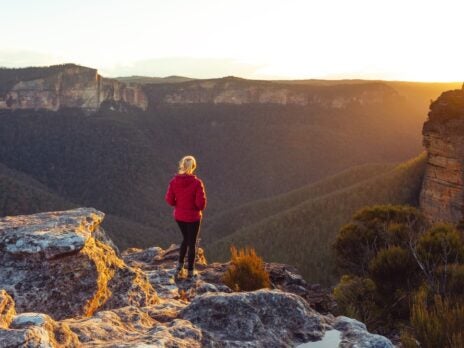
64 86
66 288
442 195
81 87
237 91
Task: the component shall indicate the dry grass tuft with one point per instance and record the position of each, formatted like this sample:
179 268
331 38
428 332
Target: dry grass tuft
246 271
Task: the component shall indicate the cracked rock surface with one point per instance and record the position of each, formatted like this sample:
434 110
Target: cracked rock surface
83 294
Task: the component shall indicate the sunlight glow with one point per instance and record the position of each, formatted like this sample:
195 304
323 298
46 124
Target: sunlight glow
402 40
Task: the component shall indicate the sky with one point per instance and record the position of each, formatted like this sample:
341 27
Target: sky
272 39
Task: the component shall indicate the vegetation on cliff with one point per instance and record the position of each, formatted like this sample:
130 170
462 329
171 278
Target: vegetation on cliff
298 228
449 105
246 271
402 274
9 77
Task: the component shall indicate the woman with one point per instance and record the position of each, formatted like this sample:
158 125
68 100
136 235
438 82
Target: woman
186 193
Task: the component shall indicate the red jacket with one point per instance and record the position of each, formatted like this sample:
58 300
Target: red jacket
186 193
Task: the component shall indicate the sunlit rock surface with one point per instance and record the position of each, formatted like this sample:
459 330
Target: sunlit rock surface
7 309
72 290
238 91
51 263
442 195
65 86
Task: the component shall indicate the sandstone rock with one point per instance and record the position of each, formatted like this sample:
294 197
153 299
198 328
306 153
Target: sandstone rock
7 309
237 91
33 337
51 234
104 301
151 258
258 318
52 264
283 277
56 334
442 194
69 86
355 335
132 327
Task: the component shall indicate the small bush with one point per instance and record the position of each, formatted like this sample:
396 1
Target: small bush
246 271
393 268
442 244
437 322
356 297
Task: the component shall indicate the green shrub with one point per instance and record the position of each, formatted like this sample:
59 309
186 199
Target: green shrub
373 229
437 322
440 245
393 268
246 271
356 298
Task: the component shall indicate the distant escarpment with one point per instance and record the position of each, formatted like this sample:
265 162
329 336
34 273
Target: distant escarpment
63 285
64 86
232 90
73 86
442 195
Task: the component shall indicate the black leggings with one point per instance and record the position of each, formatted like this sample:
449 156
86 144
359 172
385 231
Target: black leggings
190 233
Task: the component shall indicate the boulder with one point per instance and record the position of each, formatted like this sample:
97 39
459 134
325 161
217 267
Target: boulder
51 263
31 338
56 334
269 318
355 335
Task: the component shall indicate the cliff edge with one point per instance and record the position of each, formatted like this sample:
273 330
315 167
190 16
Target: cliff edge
64 286
442 194
64 86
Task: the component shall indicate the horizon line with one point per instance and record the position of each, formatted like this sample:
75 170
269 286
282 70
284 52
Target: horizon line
279 79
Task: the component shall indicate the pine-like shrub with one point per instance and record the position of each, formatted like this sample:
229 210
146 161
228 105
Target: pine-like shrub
246 271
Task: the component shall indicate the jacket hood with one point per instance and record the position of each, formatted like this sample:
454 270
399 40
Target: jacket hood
184 179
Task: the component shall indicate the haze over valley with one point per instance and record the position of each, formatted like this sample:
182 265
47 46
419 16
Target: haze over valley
68 139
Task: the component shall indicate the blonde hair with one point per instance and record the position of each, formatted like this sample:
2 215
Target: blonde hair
187 165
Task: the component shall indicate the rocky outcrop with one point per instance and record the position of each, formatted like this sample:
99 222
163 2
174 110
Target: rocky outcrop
355 334
56 271
442 194
51 263
65 86
237 91
260 318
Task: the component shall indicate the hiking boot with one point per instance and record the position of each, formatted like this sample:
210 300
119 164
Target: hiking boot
191 274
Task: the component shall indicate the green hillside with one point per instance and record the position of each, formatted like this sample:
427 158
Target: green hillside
229 221
21 194
121 163
301 234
